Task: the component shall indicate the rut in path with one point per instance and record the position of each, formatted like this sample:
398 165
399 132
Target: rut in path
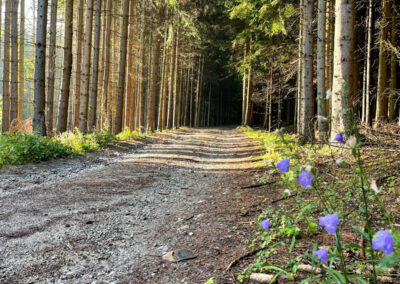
113 222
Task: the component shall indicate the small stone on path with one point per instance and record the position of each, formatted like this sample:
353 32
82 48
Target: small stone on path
179 255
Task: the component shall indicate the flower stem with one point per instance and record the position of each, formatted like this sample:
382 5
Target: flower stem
339 247
357 156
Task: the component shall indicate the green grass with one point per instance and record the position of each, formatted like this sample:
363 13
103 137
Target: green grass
18 148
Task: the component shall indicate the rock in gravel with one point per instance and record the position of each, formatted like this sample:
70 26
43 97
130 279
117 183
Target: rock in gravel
179 255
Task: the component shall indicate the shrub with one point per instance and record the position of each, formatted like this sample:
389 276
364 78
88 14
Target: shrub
18 148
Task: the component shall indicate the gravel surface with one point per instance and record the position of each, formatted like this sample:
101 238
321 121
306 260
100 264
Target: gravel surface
109 217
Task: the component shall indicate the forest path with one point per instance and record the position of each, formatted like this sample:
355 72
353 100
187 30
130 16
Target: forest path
114 220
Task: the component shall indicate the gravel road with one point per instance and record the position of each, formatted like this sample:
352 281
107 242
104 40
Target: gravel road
109 217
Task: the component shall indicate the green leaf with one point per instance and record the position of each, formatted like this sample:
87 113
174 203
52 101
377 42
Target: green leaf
363 233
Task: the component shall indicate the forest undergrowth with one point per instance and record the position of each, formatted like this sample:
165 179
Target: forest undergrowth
18 148
333 209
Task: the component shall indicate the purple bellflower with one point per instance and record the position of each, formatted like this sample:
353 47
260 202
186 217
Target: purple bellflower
322 254
265 224
338 138
305 179
283 165
383 240
330 222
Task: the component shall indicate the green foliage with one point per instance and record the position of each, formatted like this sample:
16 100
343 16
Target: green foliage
352 197
130 135
81 144
19 148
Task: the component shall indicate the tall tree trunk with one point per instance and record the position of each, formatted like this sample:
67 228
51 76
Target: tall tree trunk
370 32
393 71
197 100
176 83
382 98
245 82
342 69
31 105
155 69
83 108
170 115
51 67
6 70
166 84
209 107
306 103
113 77
78 64
67 69
142 82
322 126
95 75
40 69
188 98
107 59
122 66
131 65
249 95
14 61
161 97
21 61
299 68
192 103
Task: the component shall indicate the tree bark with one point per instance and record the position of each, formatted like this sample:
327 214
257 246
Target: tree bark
163 79
249 95
166 84
122 66
131 66
51 67
78 64
322 126
21 68
342 69
245 82
382 98
306 102
142 83
370 28
176 82
40 69
95 75
155 69
83 108
6 70
170 115
67 69
393 71
107 59
14 61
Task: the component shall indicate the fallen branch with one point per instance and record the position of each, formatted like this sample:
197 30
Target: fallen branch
283 198
257 185
242 257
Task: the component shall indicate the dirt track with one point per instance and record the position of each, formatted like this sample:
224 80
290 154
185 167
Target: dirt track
110 217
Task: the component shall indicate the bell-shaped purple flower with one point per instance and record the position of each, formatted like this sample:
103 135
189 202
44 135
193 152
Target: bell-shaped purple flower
338 138
283 165
265 224
322 254
305 179
383 240
330 222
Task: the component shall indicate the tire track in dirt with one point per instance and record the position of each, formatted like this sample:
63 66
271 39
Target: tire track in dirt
112 223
